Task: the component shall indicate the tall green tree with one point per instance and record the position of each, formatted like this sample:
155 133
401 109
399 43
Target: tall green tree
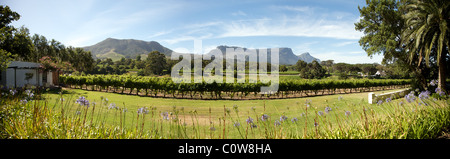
5 58
21 44
428 31
156 63
382 23
300 65
312 70
6 34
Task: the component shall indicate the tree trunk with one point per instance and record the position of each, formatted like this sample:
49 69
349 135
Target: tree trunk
442 70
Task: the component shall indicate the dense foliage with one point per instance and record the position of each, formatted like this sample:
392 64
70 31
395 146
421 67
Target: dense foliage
18 44
412 34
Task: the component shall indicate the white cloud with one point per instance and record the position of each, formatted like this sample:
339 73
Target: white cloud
239 13
345 43
346 57
113 21
187 38
357 52
159 34
304 9
182 50
304 47
303 26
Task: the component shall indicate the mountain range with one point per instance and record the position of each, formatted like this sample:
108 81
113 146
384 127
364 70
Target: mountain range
128 48
131 48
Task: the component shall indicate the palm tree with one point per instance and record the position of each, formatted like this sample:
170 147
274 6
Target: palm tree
427 33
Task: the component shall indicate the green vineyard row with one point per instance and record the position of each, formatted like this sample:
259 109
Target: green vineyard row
158 86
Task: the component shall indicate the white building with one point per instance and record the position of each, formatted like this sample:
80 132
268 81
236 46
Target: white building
25 74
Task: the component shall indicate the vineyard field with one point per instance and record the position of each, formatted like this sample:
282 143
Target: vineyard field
165 87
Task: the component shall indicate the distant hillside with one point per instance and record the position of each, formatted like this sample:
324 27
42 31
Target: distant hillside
128 48
307 57
286 56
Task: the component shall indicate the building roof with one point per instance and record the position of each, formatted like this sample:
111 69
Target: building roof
21 64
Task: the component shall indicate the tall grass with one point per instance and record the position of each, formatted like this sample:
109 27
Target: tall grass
36 118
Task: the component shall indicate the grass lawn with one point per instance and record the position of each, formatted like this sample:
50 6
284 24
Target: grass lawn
211 113
120 116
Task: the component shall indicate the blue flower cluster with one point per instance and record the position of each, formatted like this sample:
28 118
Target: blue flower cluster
264 117
327 110
113 106
277 123
424 95
347 113
434 82
283 118
83 101
142 110
165 115
294 120
410 97
249 120
440 92
388 100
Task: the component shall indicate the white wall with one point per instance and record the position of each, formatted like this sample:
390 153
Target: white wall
20 77
49 79
373 98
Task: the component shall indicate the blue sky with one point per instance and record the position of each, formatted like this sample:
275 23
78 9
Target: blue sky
324 28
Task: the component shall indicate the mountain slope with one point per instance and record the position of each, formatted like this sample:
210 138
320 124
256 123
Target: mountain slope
129 48
286 56
307 58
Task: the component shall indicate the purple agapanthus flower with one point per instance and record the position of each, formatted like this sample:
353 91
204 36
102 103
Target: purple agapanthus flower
424 95
434 82
283 117
380 102
327 109
29 93
254 126
347 113
249 120
294 120
277 123
142 110
264 117
165 115
437 90
113 106
410 97
12 91
83 101
24 101
388 100
320 113
440 92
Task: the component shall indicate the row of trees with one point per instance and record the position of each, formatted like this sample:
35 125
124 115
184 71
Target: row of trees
316 70
18 44
156 63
